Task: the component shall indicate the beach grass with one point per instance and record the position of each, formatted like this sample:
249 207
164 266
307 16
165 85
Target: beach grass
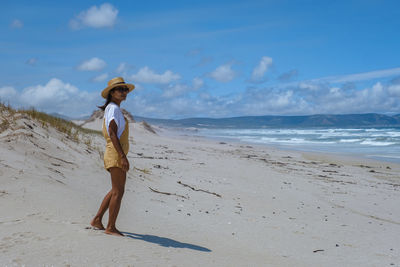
69 128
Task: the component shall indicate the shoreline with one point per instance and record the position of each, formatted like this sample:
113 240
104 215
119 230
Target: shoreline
356 157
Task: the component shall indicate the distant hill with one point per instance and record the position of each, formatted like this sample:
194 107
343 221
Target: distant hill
345 121
57 115
99 114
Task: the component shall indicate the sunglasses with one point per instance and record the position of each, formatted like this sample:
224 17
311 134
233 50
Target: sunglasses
122 89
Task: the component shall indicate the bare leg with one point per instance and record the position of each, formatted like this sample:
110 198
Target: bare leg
96 222
118 179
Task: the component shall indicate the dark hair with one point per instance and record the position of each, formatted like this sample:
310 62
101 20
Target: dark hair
103 107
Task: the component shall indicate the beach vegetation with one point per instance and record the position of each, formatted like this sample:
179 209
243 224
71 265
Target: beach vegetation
4 125
7 107
71 130
88 142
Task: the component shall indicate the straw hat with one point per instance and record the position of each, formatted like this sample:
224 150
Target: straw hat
118 81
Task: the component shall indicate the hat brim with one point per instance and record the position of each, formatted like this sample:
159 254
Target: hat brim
107 90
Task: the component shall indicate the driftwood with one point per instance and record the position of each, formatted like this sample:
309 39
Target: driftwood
166 193
201 190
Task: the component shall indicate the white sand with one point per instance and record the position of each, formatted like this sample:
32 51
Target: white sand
278 208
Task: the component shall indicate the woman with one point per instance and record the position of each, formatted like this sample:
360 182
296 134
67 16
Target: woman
116 133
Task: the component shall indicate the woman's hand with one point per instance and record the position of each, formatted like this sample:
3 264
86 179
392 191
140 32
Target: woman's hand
125 163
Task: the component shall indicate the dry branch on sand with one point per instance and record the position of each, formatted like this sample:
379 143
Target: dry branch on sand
166 193
201 190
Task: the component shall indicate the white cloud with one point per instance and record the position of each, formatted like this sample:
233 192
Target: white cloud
223 73
197 83
364 76
182 100
318 83
96 17
377 90
261 68
378 98
100 78
146 75
54 91
92 64
335 92
56 96
268 101
175 102
309 86
284 99
122 68
16 24
394 90
7 94
175 90
179 100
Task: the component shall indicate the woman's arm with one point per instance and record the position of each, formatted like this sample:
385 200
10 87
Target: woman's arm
113 129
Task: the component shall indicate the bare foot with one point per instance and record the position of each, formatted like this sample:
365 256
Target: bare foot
113 231
96 223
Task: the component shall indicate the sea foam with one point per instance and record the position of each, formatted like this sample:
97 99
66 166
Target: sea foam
370 141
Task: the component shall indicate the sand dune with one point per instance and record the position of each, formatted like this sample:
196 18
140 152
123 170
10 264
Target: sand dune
190 202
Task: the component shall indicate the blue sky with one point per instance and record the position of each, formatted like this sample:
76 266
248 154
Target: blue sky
203 58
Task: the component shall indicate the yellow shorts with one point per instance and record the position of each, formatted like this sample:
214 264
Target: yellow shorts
112 158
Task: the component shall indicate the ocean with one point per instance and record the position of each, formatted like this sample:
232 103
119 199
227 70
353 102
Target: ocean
376 143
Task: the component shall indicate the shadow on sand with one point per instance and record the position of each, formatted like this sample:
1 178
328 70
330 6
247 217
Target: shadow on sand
165 242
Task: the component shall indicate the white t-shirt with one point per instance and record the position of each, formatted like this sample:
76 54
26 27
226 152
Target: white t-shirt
113 112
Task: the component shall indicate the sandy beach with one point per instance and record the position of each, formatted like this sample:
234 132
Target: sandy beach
190 201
